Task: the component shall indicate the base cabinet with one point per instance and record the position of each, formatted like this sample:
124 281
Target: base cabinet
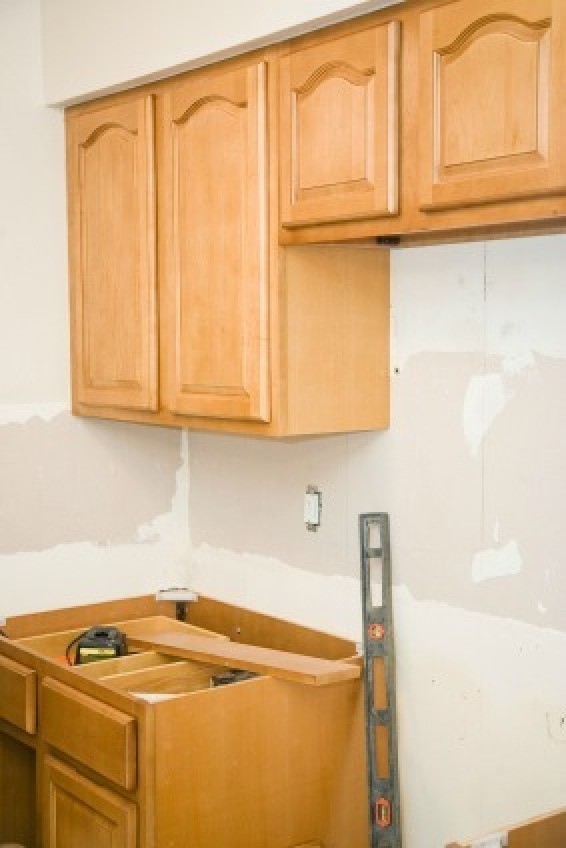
78 812
154 750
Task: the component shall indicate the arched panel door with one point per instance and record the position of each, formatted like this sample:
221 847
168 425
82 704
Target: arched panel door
216 292
112 252
492 102
339 135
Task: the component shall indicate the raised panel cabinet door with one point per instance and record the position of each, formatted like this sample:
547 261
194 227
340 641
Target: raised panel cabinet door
492 102
216 295
339 129
77 812
112 255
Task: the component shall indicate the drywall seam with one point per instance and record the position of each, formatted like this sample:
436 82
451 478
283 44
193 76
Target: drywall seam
486 398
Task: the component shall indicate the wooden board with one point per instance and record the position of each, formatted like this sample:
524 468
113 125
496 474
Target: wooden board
280 664
547 831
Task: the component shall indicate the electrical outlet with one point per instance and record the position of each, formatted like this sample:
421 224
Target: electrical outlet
178 594
312 508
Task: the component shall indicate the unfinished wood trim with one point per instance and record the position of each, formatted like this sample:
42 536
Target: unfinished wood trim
295 667
545 831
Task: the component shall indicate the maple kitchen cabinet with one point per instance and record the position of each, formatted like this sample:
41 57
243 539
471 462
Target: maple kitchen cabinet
185 310
195 300
477 116
146 751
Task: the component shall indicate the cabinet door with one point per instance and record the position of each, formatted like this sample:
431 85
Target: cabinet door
17 792
216 295
112 252
492 101
80 813
339 138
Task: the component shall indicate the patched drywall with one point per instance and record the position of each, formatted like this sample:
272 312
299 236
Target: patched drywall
152 556
83 480
472 468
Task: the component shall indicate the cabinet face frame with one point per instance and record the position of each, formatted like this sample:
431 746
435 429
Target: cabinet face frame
339 128
115 365
86 801
216 288
475 148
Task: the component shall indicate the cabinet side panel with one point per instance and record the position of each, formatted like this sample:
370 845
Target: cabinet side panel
263 764
337 302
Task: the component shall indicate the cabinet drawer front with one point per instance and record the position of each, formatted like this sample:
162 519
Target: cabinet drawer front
18 687
101 737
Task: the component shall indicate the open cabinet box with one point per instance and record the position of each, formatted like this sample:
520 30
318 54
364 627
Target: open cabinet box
141 750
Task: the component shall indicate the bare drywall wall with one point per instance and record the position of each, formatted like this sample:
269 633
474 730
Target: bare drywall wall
82 480
89 510
473 467
98 46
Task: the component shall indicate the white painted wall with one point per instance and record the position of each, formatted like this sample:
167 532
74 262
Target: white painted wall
95 47
88 509
472 470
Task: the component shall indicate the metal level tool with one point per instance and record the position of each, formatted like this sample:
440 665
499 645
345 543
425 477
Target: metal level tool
379 669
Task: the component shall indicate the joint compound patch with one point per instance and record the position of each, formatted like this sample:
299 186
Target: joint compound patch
497 562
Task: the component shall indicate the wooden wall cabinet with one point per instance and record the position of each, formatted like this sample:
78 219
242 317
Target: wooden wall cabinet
141 751
339 128
251 338
481 127
437 119
492 102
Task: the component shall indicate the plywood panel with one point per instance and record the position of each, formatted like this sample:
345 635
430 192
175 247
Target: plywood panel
287 666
